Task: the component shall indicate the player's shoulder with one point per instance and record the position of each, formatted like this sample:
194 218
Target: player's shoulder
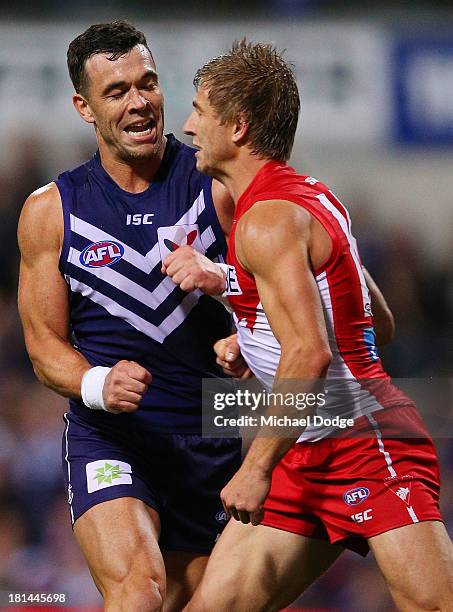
268 231
273 219
43 200
41 213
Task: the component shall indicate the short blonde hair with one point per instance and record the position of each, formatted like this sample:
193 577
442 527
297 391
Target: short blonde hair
253 81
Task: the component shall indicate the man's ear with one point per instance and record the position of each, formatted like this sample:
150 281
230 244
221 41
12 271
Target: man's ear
240 130
83 108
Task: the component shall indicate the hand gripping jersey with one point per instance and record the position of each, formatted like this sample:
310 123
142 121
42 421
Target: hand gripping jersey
356 383
121 305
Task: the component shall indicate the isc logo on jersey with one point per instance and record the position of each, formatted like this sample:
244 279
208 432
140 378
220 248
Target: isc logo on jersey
140 219
353 497
100 254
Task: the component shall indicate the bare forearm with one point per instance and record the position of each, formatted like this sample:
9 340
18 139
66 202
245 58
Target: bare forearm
58 365
244 496
265 453
298 375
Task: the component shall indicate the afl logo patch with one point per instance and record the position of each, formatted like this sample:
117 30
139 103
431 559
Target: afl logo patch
353 497
100 254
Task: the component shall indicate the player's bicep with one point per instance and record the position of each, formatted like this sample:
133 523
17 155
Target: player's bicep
291 300
43 298
43 294
274 244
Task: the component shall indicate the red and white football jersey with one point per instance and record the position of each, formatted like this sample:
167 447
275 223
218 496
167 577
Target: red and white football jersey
345 300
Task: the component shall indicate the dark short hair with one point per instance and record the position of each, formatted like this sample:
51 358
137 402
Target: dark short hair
253 81
117 38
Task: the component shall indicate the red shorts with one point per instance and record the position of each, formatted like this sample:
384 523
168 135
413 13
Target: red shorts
345 490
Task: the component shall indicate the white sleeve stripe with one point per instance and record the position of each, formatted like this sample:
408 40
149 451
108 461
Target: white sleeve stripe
352 248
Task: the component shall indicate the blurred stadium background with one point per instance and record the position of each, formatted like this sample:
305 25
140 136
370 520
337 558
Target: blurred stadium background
377 125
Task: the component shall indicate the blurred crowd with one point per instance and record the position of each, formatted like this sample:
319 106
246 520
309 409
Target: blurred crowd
37 548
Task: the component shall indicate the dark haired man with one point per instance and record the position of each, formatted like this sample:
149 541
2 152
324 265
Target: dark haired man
105 328
302 311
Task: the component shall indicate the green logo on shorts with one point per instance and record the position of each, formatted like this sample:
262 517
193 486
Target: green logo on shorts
104 473
107 473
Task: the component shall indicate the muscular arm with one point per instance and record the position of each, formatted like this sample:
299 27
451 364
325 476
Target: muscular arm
44 306
43 295
267 248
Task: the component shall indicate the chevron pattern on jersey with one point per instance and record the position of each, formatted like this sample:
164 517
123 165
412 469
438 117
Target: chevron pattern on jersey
134 289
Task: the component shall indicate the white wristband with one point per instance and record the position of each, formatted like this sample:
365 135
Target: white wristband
92 387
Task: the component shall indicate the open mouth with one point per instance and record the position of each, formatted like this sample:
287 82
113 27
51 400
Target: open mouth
140 129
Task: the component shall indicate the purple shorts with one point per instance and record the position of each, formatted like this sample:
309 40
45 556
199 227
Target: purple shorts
179 475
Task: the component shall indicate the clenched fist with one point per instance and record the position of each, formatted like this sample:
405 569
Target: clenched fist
244 496
191 270
124 386
230 358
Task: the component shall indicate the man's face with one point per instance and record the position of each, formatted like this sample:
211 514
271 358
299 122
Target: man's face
125 103
210 137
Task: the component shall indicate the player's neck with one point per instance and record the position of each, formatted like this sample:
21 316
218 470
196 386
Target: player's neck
133 176
241 173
